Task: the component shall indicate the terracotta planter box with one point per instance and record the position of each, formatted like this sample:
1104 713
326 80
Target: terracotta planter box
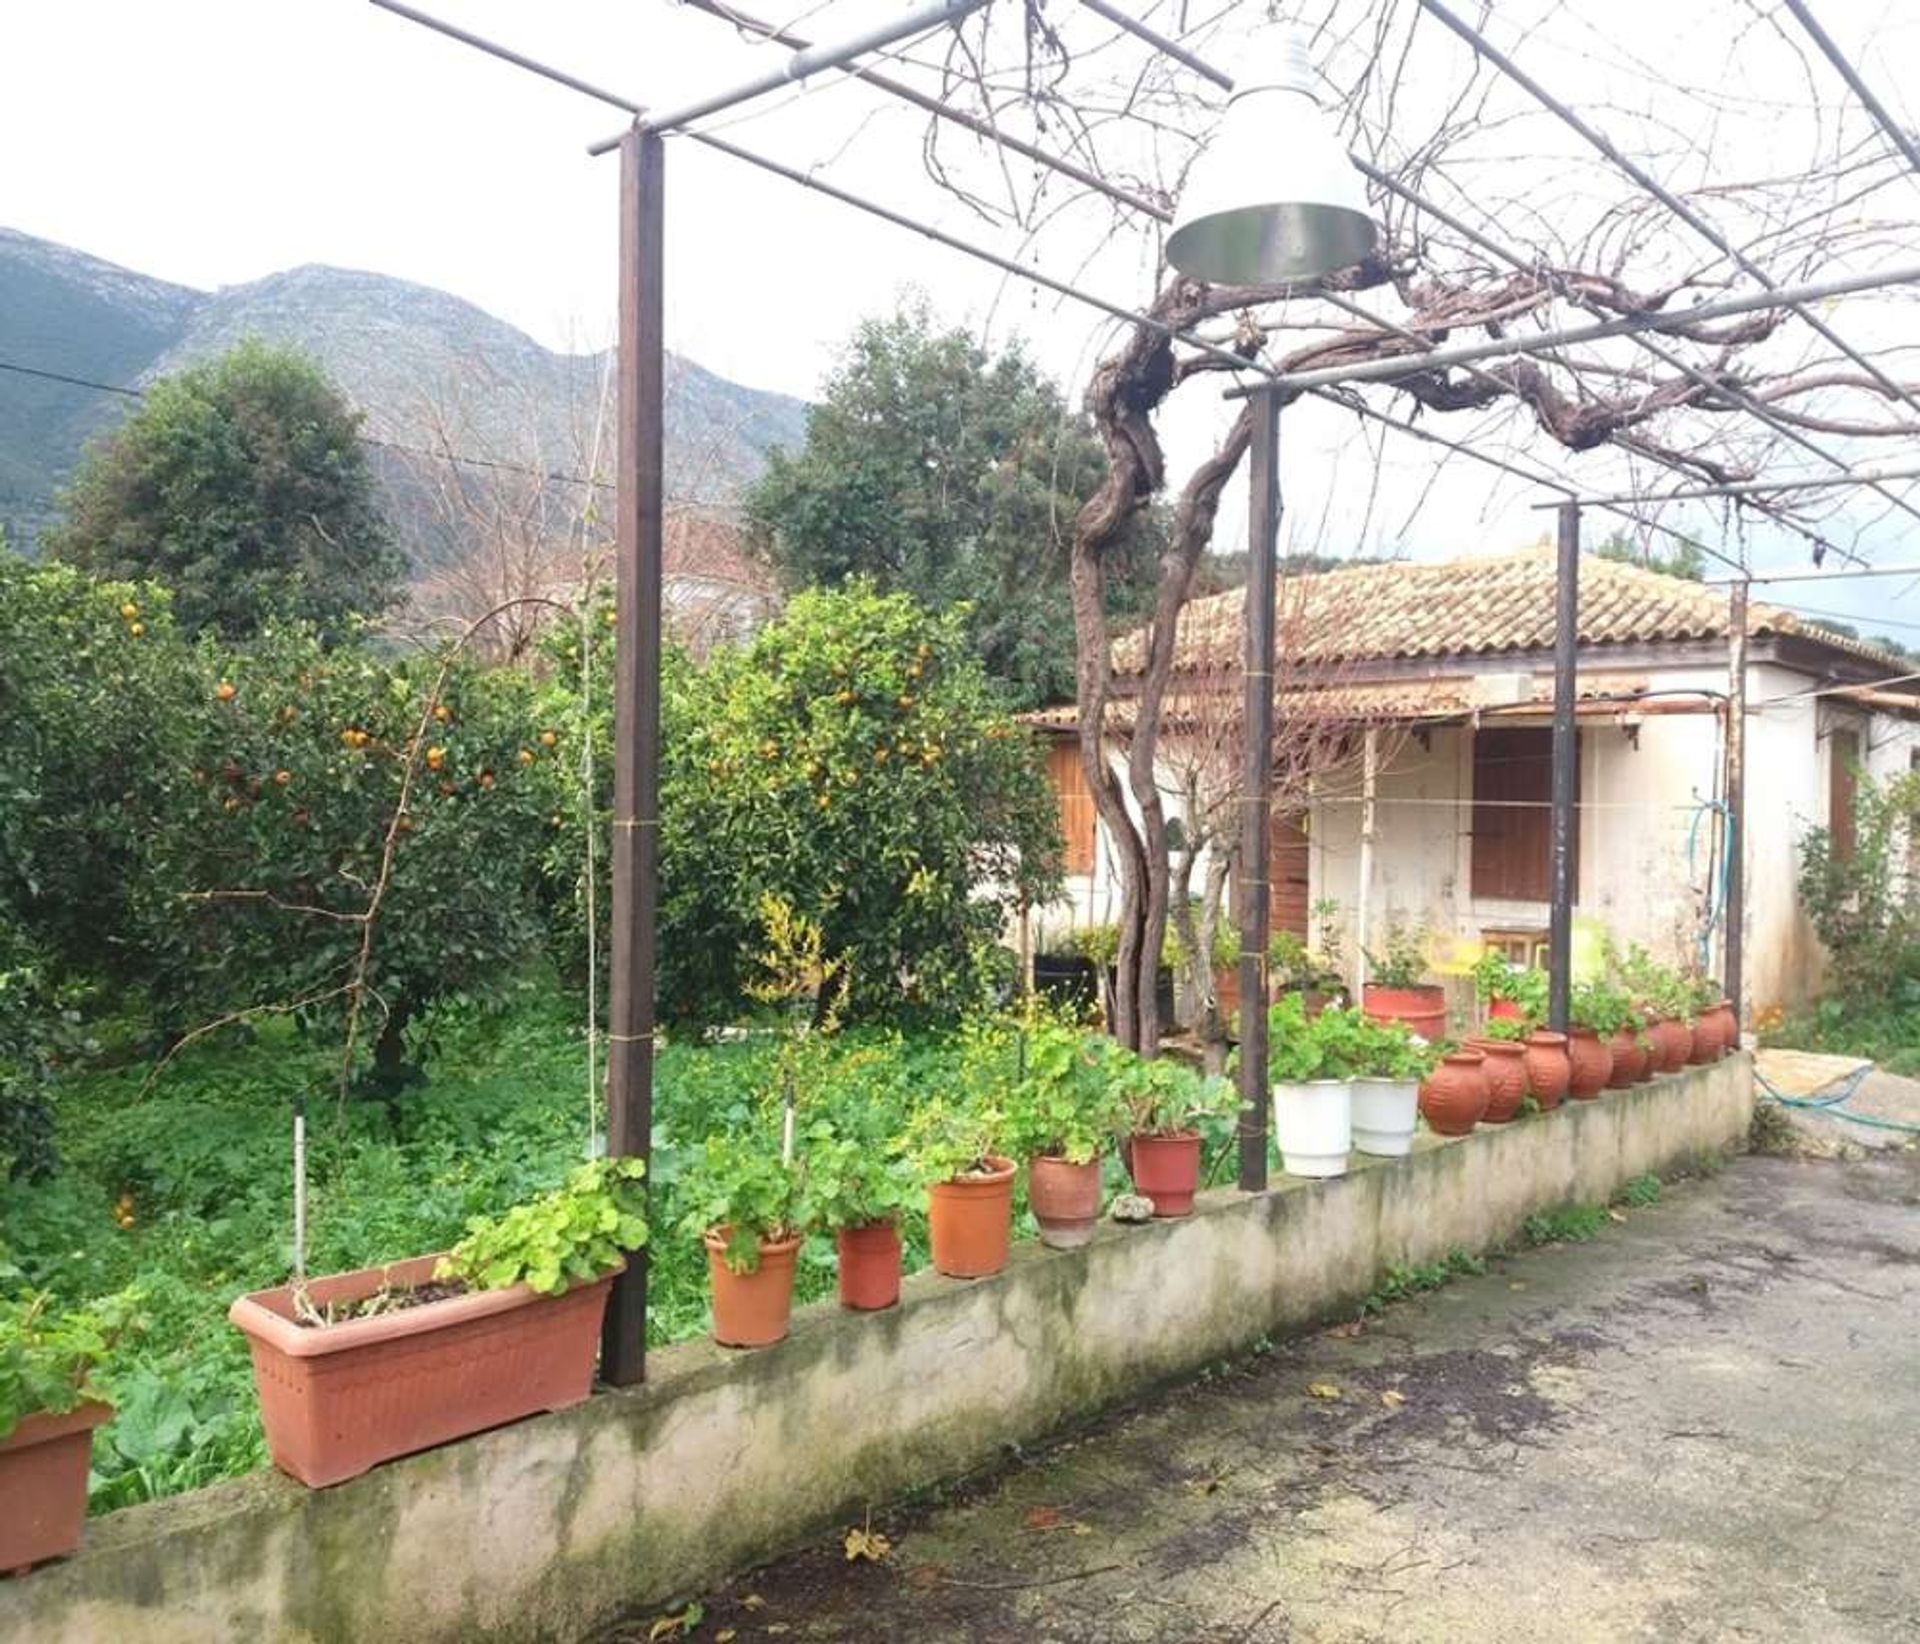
43 1485
338 1400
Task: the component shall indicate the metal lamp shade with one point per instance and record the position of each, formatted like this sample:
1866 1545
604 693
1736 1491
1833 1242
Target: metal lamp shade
1273 198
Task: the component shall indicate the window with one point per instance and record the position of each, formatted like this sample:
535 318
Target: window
1075 799
1512 815
1843 764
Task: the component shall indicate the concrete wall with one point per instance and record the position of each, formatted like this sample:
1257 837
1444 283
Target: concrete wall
543 1529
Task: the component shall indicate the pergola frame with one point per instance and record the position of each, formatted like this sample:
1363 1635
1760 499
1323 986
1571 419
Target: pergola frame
640 500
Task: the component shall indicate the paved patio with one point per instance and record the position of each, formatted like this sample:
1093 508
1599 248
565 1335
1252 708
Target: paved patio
1698 1425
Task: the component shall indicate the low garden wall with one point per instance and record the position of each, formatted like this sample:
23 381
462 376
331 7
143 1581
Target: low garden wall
542 1529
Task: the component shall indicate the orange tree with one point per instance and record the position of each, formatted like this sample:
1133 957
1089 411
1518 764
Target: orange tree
325 783
853 760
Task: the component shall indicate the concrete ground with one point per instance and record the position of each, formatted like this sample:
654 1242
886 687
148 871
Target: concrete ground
1702 1424
1870 1093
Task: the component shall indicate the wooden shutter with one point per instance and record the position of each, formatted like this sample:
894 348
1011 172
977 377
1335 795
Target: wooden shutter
1077 817
1287 892
1843 759
1512 814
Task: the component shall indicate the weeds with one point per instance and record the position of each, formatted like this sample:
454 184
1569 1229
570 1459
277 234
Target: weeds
1574 1224
1403 1280
1640 1192
1772 1131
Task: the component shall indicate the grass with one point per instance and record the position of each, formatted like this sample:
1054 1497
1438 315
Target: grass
1887 1034
1403 1279
1573 1224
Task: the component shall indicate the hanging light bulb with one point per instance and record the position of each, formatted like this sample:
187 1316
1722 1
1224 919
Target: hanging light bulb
1273 197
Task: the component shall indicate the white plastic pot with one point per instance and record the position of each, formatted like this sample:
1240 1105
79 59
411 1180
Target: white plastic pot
1384 1111
1313 1123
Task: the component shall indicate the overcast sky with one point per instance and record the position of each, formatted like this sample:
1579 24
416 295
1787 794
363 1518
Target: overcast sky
215 141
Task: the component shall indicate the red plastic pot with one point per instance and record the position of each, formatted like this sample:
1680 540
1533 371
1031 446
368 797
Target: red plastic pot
1591 1064
1065 1199
869 1266
751 1309
1424 1009
1166 1169
970 1222
1549 1068
1506 1072
1453 1098
339 1399
43 1485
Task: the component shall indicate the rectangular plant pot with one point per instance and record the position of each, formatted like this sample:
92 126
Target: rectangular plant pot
43 1485
339 1399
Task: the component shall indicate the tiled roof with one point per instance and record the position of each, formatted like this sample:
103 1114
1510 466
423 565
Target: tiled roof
1482 606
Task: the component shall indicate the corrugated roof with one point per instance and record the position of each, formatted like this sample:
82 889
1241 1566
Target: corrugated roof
1480 606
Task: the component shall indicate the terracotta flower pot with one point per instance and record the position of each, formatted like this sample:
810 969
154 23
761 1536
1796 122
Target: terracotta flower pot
1592 1064
1065 1199
1424 1009
1728 1024
1454 1097
1505 1010
43 1481
1705 1046
1630 1057
1549 1068
1672 1043
970 1222
1506 1070
751 1309
1166 1169
869 1266
342 1398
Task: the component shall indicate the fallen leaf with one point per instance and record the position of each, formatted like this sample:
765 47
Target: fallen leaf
1202 1486
1323 1390
1079 1529
675 1625
753 1601
776 1629
1349 1331
869 1544
1617 1215
926 1577
1517 1284
1393 1400
1043 1518
726 1635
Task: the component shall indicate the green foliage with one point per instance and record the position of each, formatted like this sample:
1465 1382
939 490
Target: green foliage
1404 1279
1340 1044
957 1135
939 471
571 1235
1687 560
740 1186
1863 902
1523 985
1651 986
1162 1097
1640 1192
1060 1098
51 1357
1885 1033
1572 1225
1510 1030
1604 1007
852 760
1402 959
242 485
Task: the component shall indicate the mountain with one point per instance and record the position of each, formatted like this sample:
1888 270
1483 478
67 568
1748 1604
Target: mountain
431 372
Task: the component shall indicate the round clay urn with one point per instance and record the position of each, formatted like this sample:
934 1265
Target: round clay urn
1629 1058
1729 1025
1592 1064
1506 1070
1705 1045
1453 1098
1549 1069
1672 1041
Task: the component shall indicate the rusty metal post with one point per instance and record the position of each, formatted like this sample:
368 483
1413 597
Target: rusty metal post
635 853
1566 750
1733 950
1263 552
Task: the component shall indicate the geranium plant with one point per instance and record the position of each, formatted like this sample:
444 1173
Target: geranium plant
1062 1101
739 1185
1162 1097
1401 961
1603 1007
54 1360
573 1235
954 1136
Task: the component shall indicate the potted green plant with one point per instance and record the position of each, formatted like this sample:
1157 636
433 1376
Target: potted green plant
1501 1041
52 1396
958 1148
748 1205
357 1368
1100 946
1515 992
1666 1001
1163 1104
856 1189
1061 1106
1389 1063
1596 1011
1312 970
1395 990
1311 1062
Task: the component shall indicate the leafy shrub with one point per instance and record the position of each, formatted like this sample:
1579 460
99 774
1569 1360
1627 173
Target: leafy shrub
572 1235
1863 902
51 1357
741 1185
1402 959
1060 1098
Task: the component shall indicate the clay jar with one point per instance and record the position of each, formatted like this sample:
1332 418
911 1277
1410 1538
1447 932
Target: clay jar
1453 1099
1065 1199
1423 1008
1630 1058
1729 1025
869 1266
1549 1068
1706 1046
1506 1071
1592 1064
970 1221
1672 1042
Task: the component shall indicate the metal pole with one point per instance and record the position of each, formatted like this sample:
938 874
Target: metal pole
1734 943
1161 43
811 61
1369 773
1883 117
635 853
1256 850
1566 637
1625 325
1750 488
